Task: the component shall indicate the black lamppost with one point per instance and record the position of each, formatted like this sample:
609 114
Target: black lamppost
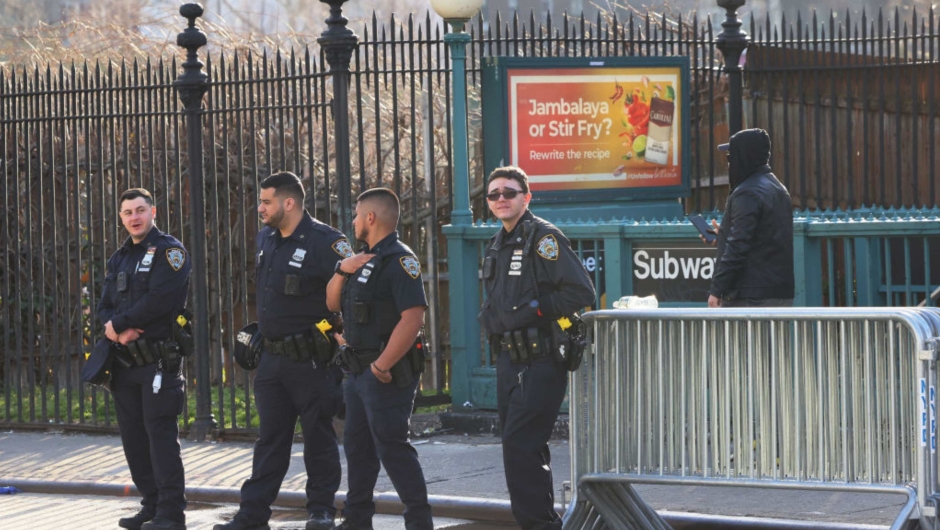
192 85
338 43
732 42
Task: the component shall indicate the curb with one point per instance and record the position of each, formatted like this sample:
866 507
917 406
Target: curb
470 508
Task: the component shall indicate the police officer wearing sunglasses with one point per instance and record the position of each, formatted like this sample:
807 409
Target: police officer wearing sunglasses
144 293
532 278
296 379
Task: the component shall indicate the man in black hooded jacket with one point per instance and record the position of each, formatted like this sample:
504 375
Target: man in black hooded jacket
754 267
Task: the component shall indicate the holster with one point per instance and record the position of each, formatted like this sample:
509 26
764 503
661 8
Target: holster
347 359
172 355
569 345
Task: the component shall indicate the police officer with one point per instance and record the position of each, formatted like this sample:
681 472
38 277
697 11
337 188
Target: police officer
383 302
532 278
295 260
144 292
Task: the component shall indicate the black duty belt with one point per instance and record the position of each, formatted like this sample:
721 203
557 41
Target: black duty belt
523 345
142 352
301 347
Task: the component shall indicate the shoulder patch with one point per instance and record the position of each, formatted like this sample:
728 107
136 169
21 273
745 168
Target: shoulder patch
548 247
411 266
175 257
343 248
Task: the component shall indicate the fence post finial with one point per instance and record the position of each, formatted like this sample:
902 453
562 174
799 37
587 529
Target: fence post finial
193 83
192 86
732 41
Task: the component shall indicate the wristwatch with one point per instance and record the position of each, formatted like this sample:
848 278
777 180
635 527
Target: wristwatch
338 269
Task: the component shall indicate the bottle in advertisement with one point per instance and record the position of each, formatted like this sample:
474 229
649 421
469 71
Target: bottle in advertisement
659 136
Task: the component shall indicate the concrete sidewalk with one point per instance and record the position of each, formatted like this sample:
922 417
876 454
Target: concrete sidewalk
456 468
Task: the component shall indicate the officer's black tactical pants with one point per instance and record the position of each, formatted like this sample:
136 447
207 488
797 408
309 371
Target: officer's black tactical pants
528 408
150 435
284 391
376 430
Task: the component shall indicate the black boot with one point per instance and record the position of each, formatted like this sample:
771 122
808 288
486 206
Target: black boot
135 522
320 520
240 523
347 525
162 523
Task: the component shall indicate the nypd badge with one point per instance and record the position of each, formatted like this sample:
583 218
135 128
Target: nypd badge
176 258
548 247
343 248
411 266
297 259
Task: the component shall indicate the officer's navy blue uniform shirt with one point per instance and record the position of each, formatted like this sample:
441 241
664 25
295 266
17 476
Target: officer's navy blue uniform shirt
292 273
515 300
157 278
396 287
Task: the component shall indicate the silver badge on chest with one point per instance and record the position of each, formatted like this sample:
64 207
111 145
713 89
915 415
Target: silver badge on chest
297 260
515 266
366 272
147 261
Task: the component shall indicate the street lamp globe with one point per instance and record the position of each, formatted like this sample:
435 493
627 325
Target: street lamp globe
456 9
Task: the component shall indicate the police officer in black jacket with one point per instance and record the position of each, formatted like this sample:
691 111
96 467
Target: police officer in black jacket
383 302
532 278
144 292
295 259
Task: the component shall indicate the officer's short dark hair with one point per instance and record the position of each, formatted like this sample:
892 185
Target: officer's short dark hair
134 193
384 195
286 184
386 199
512 173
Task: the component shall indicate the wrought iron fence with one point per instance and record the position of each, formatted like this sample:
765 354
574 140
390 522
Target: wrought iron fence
73 137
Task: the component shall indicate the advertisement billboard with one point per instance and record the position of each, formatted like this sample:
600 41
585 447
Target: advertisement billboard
612 127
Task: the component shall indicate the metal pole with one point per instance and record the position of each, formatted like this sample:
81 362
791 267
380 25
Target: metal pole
192 85
457 41
462 253
732 42
338 43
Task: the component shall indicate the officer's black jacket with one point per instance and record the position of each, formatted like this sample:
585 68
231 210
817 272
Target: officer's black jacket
387 285
157 278
291 275
564 285
755 239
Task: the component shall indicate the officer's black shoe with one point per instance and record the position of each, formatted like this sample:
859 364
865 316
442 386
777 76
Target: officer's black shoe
240 523
160 523
135 522
319 520
347 525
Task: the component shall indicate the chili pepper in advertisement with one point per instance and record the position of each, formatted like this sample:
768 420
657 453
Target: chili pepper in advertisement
638 114
618 91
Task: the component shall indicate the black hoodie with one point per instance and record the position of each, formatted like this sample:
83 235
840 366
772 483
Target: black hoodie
755 240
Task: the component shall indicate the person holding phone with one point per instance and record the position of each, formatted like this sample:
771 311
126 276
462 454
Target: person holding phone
754 266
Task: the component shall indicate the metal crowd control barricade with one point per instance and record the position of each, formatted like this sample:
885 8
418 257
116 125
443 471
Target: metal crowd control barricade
837 399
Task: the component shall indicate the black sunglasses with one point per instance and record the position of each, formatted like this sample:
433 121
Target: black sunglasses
509 193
